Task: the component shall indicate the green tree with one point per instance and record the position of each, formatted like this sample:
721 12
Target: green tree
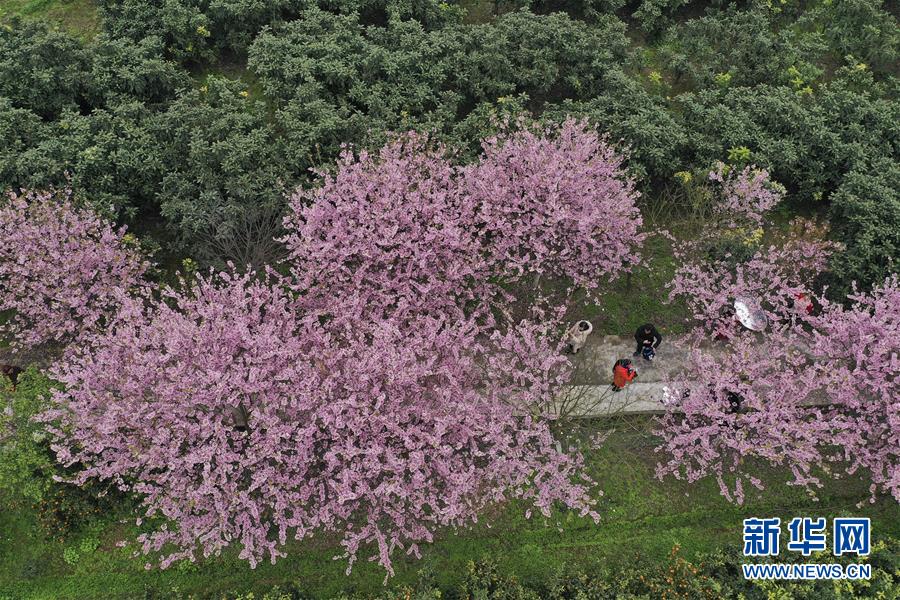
865 213
42 70
226 170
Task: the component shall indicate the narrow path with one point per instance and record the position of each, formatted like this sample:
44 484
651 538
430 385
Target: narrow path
591 395
593 365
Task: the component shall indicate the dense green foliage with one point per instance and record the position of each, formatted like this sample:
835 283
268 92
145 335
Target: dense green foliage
143 123
26 467
866 209
29 473
711 576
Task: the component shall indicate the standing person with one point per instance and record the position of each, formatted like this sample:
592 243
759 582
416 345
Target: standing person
623 374
648 340
802 305
12 372
576 337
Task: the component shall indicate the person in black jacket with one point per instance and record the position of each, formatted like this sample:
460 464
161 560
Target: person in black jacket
648 337
735 401
12 372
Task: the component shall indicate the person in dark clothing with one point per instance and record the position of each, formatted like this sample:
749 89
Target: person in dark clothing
12 372
735 400
648 340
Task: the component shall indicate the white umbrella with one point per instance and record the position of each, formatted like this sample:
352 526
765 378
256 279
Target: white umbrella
750 314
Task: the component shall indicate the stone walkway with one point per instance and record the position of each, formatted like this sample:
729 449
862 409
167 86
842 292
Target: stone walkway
591 396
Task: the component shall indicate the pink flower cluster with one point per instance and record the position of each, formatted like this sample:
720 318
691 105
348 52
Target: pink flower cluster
820 397
857 360
776 275
405 232
381 435
777 272
556 202
817 392
744 408
388 236
745 195
63 270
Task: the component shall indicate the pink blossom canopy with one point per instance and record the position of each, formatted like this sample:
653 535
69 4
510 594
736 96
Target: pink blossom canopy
381 436
62 269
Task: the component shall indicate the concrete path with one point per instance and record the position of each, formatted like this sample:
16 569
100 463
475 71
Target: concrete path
593 365
591 395
586 401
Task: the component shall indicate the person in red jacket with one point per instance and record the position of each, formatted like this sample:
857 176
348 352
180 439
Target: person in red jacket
623 374
802 304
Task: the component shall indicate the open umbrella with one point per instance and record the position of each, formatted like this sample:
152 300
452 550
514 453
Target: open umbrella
750 314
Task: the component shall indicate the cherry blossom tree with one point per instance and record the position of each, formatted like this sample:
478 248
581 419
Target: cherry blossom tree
556 201
405 232
373 392
240 419
389 235
857 360
740 408
729 259
745 196
816 392
777 275
818 397
62 269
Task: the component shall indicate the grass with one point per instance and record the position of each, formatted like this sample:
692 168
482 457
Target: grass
642 519
478 11
641 297
234 70
78 17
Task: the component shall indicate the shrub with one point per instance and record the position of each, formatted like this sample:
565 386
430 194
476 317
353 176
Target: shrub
182 26
227 169
202 30
28 467
735 47
404 76
715 575
861 28
41 70
655 136
124 70
808 144
865 211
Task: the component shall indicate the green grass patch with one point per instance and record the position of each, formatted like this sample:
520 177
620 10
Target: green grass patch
78 17
641 297
642 518
478 11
